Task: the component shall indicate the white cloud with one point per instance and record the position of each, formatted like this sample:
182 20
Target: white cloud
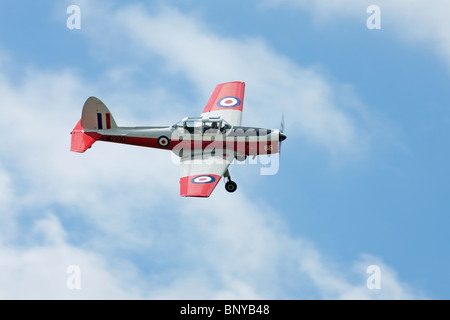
40 272
416 21
7 225
333 282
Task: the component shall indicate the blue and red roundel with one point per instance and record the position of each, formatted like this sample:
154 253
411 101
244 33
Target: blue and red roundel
203 179
229 102
163 141
200 185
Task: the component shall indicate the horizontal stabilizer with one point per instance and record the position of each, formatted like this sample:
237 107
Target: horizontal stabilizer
82 141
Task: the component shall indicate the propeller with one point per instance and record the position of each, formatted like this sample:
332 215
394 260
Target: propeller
282 136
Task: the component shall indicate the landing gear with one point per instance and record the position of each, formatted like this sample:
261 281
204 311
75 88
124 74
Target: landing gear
230 186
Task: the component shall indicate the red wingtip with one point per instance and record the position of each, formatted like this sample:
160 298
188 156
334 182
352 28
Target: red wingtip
198 185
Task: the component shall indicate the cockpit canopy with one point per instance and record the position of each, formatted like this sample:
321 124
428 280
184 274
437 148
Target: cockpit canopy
199 124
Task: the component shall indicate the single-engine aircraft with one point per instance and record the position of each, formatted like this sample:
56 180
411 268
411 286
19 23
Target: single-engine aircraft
206 145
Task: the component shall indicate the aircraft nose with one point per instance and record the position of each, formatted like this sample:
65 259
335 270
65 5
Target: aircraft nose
282 136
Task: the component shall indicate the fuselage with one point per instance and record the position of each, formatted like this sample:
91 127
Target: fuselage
241 141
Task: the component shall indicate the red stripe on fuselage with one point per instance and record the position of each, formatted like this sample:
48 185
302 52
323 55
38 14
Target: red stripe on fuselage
241 147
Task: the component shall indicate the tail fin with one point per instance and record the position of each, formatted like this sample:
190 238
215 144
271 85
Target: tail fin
95 116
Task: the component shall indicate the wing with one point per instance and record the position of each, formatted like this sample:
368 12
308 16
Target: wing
226 101
199 176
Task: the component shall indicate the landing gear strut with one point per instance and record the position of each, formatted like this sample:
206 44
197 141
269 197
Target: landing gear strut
230 186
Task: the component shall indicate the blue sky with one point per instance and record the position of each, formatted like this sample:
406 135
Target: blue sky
363 176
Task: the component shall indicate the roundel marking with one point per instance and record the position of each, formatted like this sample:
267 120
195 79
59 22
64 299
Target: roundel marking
163 141
229 102
203 179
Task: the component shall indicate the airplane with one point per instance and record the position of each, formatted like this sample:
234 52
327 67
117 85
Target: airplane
206 145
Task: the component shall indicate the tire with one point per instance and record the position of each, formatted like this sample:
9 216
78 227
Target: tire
231 186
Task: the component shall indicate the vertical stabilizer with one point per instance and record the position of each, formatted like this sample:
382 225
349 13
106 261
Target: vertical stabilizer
96 116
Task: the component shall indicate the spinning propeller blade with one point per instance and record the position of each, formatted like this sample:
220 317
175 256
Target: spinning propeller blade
282 135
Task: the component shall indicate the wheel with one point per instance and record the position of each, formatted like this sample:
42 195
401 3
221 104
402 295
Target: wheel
231 186
241 157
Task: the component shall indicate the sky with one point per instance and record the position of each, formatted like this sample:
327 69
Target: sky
358 207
